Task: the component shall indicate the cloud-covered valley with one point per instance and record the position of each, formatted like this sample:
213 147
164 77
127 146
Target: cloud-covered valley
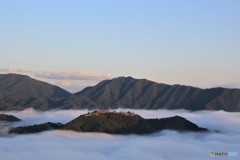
165 145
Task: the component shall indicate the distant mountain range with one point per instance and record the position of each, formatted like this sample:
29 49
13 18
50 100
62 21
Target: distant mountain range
18 92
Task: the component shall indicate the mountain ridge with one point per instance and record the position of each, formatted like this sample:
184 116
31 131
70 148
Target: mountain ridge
127 92
18 92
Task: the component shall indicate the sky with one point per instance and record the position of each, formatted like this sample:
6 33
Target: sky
76 43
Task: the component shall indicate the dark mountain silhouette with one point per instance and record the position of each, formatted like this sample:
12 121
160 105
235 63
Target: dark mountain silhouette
128 123
18 92
127 92
8 118
114 123
36 128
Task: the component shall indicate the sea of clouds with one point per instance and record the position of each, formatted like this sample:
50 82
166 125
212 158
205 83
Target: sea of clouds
165 145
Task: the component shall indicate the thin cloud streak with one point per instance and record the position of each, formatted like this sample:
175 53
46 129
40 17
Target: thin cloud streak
15 70
72 75
82 75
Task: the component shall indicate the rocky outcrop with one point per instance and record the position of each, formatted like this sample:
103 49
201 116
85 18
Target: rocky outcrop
128 123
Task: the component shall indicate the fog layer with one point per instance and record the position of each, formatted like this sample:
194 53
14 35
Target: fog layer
165 145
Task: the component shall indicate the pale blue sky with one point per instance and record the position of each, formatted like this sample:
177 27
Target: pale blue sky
191 42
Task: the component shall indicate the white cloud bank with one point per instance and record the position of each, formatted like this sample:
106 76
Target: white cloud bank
166 145
81 75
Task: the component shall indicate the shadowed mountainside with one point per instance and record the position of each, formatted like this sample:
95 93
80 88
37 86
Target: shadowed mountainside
18 92
8 118
127 92
36 128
